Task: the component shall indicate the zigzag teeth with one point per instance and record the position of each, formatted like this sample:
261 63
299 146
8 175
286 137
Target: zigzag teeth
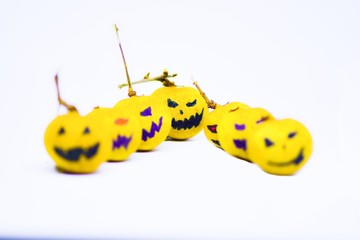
193 121
121 141
154 128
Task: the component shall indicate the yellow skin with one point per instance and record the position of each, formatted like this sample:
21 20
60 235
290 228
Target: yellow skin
155 120
213 118
125 132
188 110
77 144
236 127
280 147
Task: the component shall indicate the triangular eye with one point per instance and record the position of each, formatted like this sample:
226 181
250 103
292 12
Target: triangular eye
292 134
212 128
86 130
268 142
61 131
191 104
146 112
171 103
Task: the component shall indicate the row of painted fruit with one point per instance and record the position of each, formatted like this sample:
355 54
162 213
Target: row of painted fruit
79 144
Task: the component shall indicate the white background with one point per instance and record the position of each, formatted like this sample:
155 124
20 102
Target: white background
297 59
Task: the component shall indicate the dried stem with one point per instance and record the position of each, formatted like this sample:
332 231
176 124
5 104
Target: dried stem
131 92
69 107
210 103
164 78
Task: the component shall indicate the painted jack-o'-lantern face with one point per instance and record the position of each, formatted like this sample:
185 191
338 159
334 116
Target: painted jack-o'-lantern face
187 108
125 132
212 120
235 128
77 144
155 120
280 147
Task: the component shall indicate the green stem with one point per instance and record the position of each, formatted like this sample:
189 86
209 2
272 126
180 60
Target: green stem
164 78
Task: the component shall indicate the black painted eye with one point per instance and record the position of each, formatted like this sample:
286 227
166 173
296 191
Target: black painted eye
61 131
172 103
268 142
191 104
292 134
146 112
86 130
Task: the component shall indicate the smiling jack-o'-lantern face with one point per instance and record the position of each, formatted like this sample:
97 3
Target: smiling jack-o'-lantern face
212 120
77 144
125 131
280 147
187 108
155 120
235 128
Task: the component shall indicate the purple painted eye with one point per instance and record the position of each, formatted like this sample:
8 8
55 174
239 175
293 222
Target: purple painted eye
268 142
240 127
262 120
61 131
146 112
292 134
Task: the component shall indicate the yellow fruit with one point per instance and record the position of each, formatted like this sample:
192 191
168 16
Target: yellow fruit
211 121
154 118
187 108
237 126
77 144
125 135
280 147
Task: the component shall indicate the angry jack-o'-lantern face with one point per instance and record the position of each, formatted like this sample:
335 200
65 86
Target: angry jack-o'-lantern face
235 128
212 120
125 131
77 144
153 117
280 147
187 108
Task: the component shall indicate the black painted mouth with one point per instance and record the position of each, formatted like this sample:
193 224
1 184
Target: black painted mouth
193 121
154 128
121 141
216 142
295 161
74 154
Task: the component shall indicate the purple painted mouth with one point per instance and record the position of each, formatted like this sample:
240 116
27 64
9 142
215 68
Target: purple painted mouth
241 144
296 161
121 141
154 129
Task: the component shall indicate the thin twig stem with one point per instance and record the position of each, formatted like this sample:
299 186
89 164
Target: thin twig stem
161 78
61 101
210 103
131 92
